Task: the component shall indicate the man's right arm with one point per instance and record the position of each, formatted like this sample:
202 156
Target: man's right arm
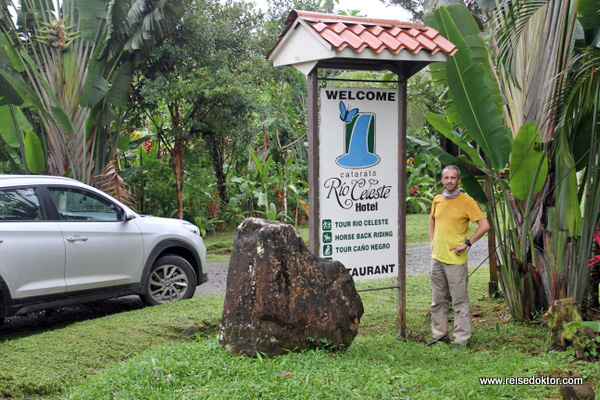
431 230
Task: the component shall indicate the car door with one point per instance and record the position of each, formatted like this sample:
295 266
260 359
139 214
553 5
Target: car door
32 250
102 248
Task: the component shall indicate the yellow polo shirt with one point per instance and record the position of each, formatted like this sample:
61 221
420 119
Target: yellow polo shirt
452 218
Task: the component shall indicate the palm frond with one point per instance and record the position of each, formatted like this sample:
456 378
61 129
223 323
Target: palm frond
151 23
111 182
578 110
513 21
533 44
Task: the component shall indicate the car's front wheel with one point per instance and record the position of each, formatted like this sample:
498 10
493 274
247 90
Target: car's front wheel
171 278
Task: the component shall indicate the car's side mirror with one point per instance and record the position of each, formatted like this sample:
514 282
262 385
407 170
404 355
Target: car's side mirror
123 215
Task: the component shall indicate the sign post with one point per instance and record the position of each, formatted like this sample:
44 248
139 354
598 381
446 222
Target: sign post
357 137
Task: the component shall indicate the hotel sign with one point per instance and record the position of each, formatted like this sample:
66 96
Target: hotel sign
358 180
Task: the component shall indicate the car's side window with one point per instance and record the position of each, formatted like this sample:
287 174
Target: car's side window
80 205
20 205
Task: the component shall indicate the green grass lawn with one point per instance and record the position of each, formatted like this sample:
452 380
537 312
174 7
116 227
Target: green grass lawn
143 354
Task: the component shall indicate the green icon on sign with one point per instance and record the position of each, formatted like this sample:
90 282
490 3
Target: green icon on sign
327 250
326 224
327 237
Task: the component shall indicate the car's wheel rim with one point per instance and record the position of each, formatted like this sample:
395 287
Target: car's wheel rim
167 283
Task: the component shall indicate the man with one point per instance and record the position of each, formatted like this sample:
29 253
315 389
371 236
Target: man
448 223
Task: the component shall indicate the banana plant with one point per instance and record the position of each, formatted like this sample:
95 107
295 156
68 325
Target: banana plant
67 66
474 120
544 218
263 169
268 181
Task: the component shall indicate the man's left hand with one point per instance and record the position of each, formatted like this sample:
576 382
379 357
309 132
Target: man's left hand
459 248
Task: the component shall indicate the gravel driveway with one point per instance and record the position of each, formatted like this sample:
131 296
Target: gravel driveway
418 260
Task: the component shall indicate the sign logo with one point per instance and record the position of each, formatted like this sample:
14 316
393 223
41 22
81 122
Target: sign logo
359 139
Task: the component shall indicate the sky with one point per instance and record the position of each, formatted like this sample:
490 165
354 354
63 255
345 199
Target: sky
368 8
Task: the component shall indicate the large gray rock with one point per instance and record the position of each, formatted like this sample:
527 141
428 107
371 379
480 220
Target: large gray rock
280 297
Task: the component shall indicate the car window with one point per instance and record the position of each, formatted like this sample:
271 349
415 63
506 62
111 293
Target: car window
80 205
20 205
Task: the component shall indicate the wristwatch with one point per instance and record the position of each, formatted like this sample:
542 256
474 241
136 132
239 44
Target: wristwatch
468 242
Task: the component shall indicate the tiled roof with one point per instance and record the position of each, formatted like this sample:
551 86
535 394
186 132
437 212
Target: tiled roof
360 33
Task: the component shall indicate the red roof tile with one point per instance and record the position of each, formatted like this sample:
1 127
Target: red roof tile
359 33
333 38
357 28
338 28
351 38
319 27
390 41
371 40
376 30
410 42
427 43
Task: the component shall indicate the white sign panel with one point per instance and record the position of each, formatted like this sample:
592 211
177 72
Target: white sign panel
358 180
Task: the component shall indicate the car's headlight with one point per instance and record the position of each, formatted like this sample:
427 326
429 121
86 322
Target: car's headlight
191 228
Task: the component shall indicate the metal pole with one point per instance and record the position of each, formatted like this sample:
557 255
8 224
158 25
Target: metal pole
313 162
401 283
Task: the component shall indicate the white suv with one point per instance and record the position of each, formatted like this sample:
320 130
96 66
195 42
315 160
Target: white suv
63 242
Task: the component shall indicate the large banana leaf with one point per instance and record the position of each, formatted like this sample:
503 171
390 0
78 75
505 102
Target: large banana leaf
93 17
566 190
17 133
8 59
445 128
528 163
8 55
34 153
118 93
154 23
95 85
474 44
474 102
13 125
23 94
588 14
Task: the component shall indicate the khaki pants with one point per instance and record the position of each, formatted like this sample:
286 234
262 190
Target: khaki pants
450 281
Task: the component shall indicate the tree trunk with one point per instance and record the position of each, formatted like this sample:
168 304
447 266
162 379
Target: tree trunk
216 155
177 154
593 296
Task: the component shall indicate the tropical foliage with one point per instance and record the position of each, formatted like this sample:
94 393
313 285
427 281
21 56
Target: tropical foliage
528 123
65 72
200 85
